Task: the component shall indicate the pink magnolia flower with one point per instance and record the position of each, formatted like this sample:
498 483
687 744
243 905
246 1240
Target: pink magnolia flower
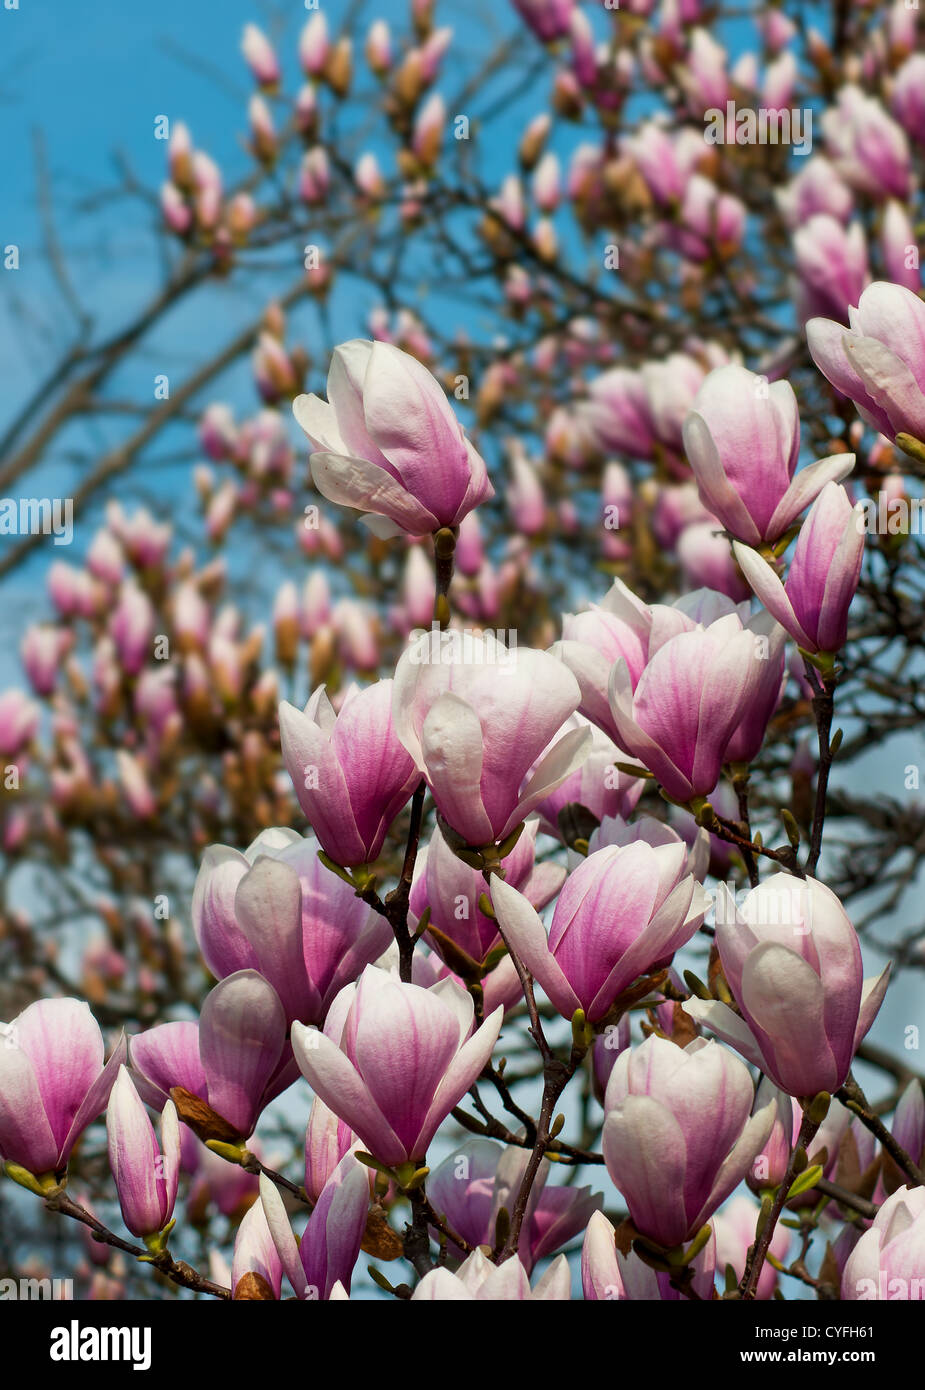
146 1173
451 889
831 263
474 715
710 220
673 1169
314 45
351 774
614 831
888 1262
330 1244
472 1184
793 963
623 911
477 1279
742 439
607 1274
880 360
42 650
52 1082
813 603
132 627
394 1059
260 56
19 721
818 187
866 145
665 159
379 47
525 497
387 441
235 1058
689 700
616 628
277 909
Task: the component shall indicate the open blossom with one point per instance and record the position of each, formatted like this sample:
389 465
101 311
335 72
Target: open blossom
386 441
235 1058
672 1166
278 910
622 912
793 962
472 1184
880 360
477 1279
742 439
350 772
888 1262
689 701
52 1082
812 605
474 715
394 1059
146 1173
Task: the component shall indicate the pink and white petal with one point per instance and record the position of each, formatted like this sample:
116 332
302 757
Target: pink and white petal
737 1163
806 487
319 422
716 492
242 1032
564 758
464 1069
591 670
357 483
888 379
630 736
333 1077
556 1284
25 1134
452 750
726 1025
95 1101
872 996
767 587
526 936
63 1041
282 1235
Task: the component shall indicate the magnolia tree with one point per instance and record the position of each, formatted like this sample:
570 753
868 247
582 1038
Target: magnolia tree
489 751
